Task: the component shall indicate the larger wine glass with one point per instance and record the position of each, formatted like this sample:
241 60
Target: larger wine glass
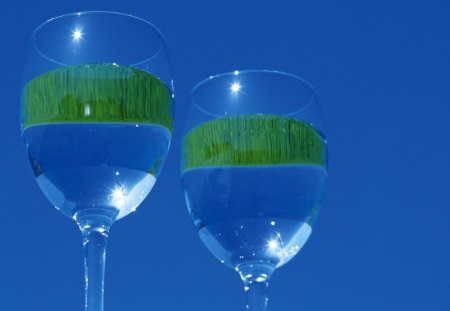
253 170
96 120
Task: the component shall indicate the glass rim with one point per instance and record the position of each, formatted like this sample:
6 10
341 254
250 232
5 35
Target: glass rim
309 86
112 13
245 71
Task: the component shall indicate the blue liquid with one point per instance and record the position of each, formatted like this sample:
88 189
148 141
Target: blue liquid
254 214
96 168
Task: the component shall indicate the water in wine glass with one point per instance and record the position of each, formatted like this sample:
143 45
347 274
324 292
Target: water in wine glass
253 186
103 166
94 149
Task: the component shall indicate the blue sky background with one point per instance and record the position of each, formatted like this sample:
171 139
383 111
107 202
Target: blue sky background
382 242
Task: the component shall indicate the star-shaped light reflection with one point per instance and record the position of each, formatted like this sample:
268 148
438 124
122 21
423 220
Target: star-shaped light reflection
235 87
118 197
77 35
273 245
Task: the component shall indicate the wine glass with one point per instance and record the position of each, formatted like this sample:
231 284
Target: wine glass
96 120
254 165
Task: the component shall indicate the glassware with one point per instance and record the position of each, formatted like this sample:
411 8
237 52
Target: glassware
96 120
254 165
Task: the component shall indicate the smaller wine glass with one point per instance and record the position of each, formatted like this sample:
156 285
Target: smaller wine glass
254 166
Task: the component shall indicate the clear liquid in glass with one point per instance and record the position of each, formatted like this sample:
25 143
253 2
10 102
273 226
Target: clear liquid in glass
103 168
254 214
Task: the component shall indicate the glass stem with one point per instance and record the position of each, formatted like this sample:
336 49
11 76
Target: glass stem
94 242
256 296
94 231
256 282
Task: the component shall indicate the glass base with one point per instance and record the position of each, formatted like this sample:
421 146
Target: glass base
95 218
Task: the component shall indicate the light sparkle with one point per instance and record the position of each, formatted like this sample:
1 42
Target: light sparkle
273 244
235 87
77 34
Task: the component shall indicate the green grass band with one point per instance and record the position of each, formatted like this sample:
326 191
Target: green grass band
96 93
253 140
